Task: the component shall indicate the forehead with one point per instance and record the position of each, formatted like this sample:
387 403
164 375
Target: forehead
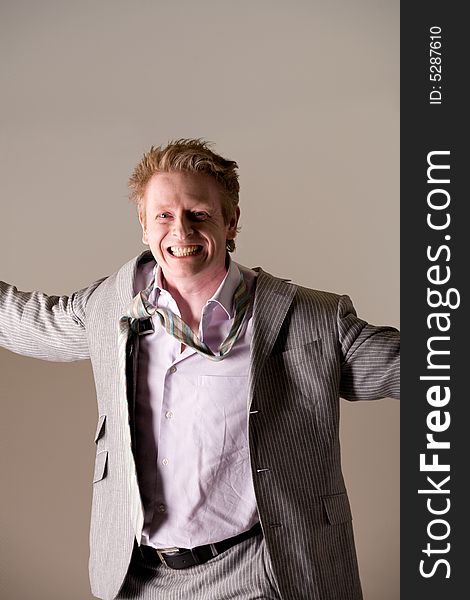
182 188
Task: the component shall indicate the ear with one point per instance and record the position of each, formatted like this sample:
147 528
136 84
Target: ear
232 225
143 224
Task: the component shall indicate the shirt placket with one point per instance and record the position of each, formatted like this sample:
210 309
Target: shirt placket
168 429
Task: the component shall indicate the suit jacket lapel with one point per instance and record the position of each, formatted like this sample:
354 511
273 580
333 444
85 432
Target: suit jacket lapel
125 292
125 280
127 342
273 298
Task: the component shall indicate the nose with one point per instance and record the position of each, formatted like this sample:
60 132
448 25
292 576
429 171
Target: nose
182 227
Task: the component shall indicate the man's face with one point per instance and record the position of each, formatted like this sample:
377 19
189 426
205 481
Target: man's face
182 222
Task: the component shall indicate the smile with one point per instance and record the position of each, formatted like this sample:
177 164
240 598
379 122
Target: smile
181 251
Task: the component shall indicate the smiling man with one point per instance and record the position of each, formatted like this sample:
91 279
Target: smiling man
217 471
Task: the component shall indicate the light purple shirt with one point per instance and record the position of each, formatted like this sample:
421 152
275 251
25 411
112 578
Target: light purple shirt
191 419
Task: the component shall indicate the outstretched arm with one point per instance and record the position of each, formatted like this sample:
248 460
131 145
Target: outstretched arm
371 357
45 327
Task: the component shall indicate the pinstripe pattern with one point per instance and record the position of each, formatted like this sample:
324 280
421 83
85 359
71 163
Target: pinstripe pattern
46 327
135 507
243 572
308 348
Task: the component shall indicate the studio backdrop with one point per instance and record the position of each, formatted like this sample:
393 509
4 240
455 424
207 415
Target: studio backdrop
305 97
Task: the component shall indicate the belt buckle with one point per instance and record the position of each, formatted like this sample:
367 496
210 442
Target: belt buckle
161 551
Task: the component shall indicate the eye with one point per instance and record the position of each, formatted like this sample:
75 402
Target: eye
163 216
199 215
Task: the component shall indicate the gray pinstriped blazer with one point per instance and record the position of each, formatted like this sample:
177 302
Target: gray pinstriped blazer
308 349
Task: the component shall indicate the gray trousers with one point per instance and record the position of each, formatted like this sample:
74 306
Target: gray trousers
243 572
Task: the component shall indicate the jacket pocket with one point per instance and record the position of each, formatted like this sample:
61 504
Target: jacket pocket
298 354
100 428
337 508
101 464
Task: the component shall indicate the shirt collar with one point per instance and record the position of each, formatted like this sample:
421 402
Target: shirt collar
226 290
223 296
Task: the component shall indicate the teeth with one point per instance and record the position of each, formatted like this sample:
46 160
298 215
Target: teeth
184 251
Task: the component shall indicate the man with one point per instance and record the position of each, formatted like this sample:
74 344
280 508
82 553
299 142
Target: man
217 471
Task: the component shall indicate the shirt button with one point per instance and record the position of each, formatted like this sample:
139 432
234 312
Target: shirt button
161 508
168 414
172 370
165 461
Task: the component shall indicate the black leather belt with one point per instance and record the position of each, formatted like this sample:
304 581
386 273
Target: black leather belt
182 558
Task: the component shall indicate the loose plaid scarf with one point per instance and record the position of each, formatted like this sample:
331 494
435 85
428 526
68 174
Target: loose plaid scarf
141 308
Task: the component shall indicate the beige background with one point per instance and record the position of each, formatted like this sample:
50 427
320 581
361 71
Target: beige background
305 96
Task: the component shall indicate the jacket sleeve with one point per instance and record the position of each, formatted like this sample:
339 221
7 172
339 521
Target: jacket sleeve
370 366
46 327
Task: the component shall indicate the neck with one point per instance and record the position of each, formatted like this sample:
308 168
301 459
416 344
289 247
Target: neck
192 293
